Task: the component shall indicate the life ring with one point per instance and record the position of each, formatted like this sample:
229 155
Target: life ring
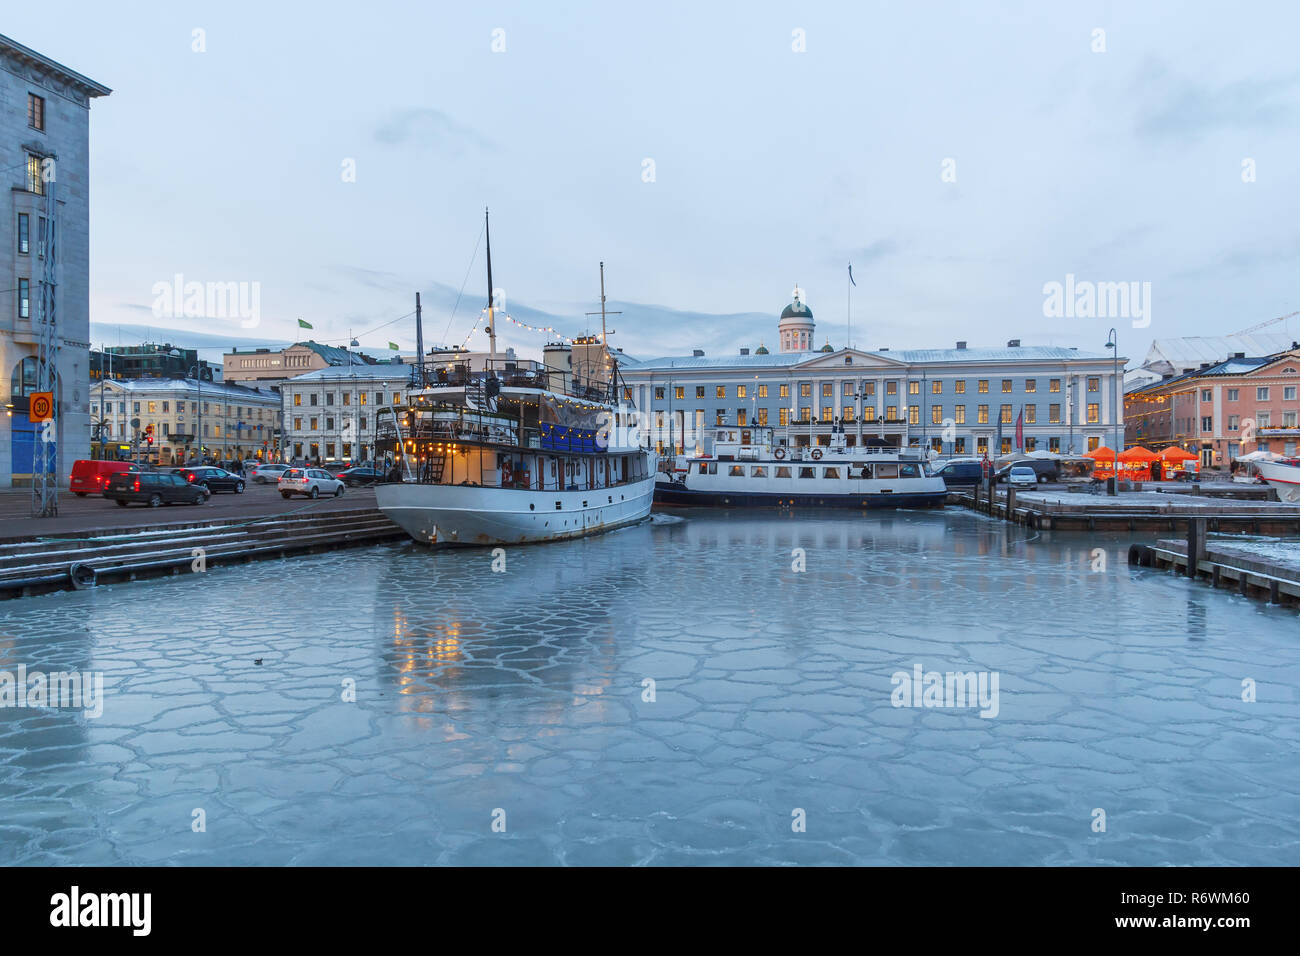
817 454
779 453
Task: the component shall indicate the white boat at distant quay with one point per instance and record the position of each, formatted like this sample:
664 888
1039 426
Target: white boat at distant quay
1284 476
748 469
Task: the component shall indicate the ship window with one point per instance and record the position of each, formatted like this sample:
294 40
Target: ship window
864 469
736 471
830 473
782 472
886 471
758 471
909 471
807 472
704 467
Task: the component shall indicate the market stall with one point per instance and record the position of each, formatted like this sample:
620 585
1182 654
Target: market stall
1105 461
1135 463
1176 463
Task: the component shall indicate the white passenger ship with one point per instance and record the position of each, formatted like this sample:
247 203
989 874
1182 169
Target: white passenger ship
1284 476
748 469
511 454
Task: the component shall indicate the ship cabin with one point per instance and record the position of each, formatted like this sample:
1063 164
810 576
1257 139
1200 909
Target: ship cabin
752 453
509 429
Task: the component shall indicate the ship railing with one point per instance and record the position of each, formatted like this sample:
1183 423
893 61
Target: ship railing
511 373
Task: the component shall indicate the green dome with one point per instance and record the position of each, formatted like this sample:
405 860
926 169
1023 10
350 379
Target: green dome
797 310
827 346
761 350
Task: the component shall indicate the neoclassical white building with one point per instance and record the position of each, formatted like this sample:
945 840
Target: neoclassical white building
959 401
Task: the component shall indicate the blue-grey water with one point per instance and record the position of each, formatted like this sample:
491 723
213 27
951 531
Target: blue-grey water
507 717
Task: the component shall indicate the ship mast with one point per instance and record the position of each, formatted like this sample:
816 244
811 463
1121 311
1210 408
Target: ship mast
492 321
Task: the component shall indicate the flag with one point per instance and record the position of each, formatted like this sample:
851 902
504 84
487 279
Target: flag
851 274
1020 430
393 346
304 324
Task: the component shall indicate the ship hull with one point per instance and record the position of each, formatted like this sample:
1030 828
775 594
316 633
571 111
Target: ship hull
470 516
1285 479
675 496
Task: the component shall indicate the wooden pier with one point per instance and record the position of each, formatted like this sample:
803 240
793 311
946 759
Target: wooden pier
1257 569
77 560
1133 512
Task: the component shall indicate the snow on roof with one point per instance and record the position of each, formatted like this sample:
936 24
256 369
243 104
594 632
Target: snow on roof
1189 352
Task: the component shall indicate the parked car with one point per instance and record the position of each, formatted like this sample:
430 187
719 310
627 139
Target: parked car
1044 469
312 482
268 472
360 475
214 479
90 476
961 474
153 488
1022 476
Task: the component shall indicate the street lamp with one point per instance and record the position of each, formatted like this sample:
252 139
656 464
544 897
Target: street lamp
1112 342
197 372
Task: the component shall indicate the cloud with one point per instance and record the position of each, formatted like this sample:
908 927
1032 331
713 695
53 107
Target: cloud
429 127
1184 109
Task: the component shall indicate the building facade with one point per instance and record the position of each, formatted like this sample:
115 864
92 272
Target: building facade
330 414
270 366
960 401
232 422
149 361
44 151
1221 411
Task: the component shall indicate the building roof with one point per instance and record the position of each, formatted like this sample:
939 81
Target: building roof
1192 351
802 312
1030 353
378 372
335 355
1232 366
85 84
175 384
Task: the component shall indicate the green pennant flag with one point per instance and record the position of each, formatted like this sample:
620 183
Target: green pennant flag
304 324
393 346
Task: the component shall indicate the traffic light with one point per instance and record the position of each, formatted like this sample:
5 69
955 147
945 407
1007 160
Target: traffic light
148 435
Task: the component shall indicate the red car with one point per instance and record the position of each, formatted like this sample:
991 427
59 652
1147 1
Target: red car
90 476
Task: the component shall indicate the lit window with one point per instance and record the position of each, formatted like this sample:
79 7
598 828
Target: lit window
35 111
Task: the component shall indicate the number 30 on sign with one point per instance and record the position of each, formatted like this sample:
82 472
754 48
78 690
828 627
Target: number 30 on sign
41 407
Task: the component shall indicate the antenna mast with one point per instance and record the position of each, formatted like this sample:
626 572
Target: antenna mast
492 320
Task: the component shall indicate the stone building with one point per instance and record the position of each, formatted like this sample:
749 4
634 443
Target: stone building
960 401
44 149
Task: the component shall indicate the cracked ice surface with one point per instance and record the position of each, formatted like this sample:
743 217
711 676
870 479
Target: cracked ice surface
1120 689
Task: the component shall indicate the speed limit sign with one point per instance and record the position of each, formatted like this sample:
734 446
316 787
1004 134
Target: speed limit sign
41 406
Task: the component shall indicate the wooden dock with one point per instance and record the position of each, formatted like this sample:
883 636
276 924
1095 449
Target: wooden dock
1133 512
77 560
1257 569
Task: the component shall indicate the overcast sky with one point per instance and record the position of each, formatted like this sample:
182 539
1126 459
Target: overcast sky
771 166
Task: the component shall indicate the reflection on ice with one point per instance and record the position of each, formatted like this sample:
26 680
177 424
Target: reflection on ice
667 693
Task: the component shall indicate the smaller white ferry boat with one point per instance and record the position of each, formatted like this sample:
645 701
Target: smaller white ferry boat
1284 476
747 469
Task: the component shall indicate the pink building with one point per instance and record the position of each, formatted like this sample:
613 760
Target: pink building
1221 411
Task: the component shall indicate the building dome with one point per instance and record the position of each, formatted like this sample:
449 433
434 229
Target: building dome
827 346
761 350
796 325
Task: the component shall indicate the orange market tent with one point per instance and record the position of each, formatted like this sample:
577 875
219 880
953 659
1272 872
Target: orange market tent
1175 462
1136 462
1105 459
